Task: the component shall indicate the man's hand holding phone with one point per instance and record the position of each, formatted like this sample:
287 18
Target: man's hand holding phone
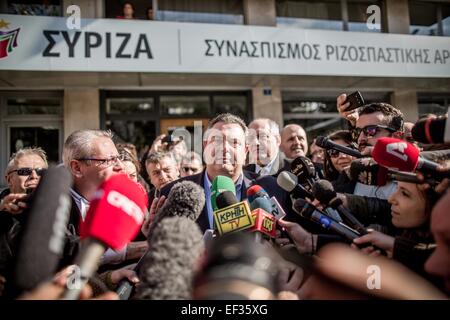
347 106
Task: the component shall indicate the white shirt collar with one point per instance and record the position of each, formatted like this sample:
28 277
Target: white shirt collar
81 202
264 171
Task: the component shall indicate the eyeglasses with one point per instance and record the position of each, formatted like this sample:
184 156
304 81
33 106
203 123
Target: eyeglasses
370 131
335 154
105 163
25 172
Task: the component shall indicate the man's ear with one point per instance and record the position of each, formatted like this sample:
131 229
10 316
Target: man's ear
278 139
75 169
8 180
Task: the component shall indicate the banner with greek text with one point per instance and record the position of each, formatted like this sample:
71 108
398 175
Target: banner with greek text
47 44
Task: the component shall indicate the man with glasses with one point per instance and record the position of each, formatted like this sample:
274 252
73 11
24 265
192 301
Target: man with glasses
23 174
371 122
264 142
92 158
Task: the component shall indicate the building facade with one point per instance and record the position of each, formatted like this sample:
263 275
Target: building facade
285 60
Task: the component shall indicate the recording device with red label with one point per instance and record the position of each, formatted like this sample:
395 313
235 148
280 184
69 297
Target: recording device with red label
400 155
432 130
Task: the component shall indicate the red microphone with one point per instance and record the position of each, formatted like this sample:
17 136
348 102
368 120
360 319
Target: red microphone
400 155
396 154
255 191
263 222
114 218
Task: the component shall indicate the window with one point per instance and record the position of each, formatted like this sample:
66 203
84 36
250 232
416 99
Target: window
32 106
428 18
130 106
309 15
357 16
139 117
114 8
35 7
208 11
423 18
235 104
332 14
30 118
437 104
191 106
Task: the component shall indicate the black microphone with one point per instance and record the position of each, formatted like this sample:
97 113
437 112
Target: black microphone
324 192
305 171
432 130
310 212
185 199
42 240
238 268
289 182
167 270
226 199
326 143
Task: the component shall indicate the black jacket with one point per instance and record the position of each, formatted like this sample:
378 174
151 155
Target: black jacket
277 165
343 184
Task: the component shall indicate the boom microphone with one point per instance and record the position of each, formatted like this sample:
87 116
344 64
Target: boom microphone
42 240
432 130
114 218
185 199
167 270
326 143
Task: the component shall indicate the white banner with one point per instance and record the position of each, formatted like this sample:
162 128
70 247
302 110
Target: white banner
45 43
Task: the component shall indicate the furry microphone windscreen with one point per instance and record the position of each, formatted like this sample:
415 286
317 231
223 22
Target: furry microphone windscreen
176 245
185 199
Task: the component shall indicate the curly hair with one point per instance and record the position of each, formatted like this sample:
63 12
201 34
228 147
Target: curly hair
393 116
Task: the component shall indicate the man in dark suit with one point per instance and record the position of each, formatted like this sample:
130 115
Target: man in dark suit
225 150
264 142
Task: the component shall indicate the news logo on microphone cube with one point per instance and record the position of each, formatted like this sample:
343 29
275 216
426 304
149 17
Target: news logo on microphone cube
263 222
233 218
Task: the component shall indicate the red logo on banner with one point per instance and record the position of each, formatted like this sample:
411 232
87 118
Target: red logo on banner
8 39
